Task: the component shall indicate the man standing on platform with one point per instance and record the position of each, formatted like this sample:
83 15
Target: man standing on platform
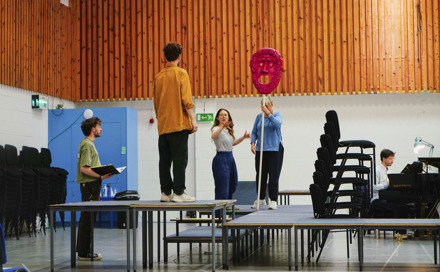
175 121
90 183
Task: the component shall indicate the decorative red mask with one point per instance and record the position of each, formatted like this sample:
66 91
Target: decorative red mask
266 62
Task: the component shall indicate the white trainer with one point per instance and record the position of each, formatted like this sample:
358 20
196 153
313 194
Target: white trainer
262 203
166 198
273 205
182 198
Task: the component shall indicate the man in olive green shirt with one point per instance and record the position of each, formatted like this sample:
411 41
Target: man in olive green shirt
90 183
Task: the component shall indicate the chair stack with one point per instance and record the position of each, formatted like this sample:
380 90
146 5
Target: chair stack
27 186
333 183
343 180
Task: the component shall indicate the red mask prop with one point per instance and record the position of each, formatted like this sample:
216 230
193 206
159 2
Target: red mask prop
266 62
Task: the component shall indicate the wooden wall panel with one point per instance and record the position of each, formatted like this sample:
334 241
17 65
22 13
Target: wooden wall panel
100 50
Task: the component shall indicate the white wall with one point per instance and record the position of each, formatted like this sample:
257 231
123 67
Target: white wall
391 121
20 124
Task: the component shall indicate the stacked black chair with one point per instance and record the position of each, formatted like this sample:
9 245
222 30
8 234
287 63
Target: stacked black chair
359 178
364 146
13 190
29 194
41 193
57 183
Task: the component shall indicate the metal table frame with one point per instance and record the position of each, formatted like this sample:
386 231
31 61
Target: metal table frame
147 224
309 223
286 194
362 224
92 206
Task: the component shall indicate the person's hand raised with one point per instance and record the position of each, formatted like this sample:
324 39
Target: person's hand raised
227 124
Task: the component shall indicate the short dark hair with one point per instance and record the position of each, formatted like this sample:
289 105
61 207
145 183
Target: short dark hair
386 153
172 51
88 124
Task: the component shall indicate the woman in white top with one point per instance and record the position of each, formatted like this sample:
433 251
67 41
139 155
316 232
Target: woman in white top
223 164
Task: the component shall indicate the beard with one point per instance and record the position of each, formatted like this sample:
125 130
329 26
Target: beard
97 134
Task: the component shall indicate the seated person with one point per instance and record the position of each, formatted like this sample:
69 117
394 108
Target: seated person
382 182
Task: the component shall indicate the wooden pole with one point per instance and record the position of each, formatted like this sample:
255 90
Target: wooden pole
261 154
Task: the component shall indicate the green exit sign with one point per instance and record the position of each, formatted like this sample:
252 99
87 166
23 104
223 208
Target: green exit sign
204 117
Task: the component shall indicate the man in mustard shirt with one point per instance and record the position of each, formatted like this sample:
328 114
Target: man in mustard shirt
175 121
90 184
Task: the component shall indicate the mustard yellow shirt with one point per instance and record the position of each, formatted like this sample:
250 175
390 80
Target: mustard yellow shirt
172 97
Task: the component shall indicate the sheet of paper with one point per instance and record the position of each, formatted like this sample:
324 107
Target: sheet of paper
120 169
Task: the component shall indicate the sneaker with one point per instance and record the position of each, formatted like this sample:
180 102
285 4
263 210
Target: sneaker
262 203
166 198
182 198
96 257
273 205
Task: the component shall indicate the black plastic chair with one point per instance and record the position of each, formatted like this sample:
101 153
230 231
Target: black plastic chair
40 195
332 117
57 178
28 180
322 180
13 190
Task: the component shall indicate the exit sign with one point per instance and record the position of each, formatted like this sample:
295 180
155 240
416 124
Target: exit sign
204 117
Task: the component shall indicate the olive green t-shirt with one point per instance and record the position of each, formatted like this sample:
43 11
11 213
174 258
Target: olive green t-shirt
87 156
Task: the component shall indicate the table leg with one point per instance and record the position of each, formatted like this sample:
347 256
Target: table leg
225 239
435 247
150 239
51 241
213 239
296 247
144 239
92 238
127 226
134 213
164 232
361 248
158 236
302 246
72 239
289 251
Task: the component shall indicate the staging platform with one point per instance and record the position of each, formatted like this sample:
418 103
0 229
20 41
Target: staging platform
300 218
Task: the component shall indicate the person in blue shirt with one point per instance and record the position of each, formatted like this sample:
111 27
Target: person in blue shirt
273 152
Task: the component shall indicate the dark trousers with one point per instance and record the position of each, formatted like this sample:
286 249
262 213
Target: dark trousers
89 191
271 166
225 175
173 148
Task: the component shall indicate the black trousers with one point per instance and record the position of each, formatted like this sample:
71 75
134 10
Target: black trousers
89 191
271 166
173 149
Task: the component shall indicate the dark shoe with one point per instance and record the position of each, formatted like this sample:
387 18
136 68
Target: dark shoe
96 257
